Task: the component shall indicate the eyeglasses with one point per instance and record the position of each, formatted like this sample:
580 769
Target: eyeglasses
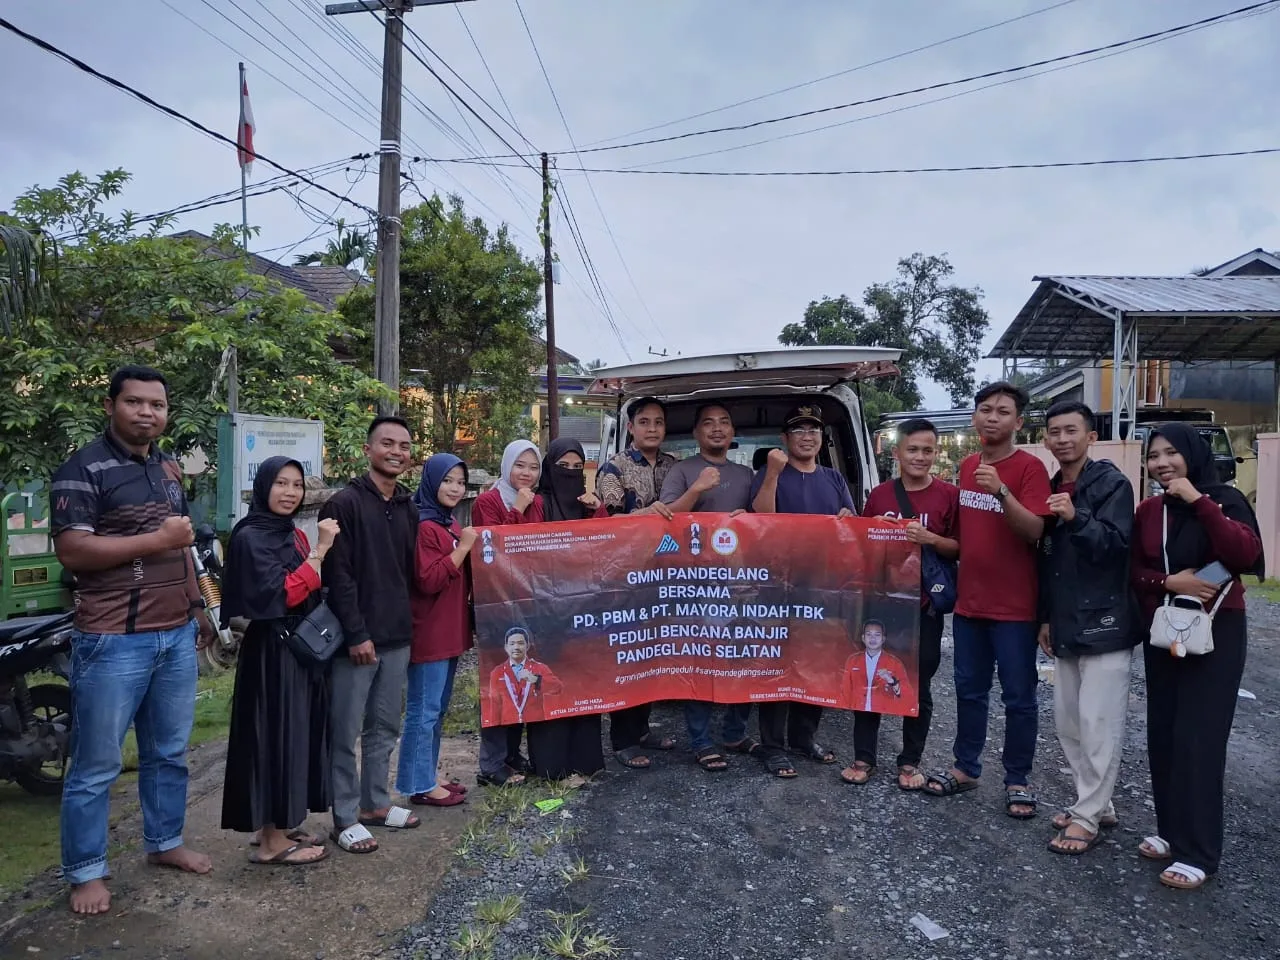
805 431
571 466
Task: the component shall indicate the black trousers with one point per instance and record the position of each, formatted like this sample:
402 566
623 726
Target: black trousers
783 722
915 730
1191 703
628 727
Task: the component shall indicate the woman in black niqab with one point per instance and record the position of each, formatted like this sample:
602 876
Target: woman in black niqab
568 746
278 748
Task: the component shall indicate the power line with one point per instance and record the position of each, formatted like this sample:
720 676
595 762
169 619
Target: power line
466 26
838 73
974 168
1119 44
297 93
590 186
932 100
169 111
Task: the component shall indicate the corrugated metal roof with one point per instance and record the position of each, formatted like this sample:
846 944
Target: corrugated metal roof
1180 295
1178 318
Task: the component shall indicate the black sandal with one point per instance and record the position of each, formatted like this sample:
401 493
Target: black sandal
779 764
948 785
652 741
711 761
1020 797
748 746
818 753
630 758
502 778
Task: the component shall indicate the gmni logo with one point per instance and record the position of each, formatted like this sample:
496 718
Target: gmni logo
668 545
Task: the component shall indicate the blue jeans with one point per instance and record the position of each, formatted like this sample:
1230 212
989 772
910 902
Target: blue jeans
697 715
1009 649
430 688
144 679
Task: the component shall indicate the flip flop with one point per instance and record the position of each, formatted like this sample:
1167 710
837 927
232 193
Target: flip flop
426 800
779 764
818 753
711 761
297 836
281 859
1183 876
862 773
1063 820
909 771
348 837
748 746
1062 835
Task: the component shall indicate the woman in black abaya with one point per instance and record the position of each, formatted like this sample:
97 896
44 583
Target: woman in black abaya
569 746
278 750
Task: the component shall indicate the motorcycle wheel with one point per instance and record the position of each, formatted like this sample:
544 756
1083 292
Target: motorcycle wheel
51 703
215 657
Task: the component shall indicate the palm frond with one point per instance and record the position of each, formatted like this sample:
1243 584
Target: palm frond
21 283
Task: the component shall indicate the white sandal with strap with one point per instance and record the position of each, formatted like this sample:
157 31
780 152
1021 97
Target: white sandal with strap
355 834
1183 876
1155 848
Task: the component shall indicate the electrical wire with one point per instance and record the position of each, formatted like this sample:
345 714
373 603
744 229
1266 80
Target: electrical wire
839 73
973 168
590 186
928 88
466 26
167 110
258 66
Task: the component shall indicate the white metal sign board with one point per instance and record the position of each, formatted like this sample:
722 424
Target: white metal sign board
256 439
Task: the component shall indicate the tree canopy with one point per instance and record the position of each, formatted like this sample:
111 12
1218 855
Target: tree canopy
469 323
938 325
118 293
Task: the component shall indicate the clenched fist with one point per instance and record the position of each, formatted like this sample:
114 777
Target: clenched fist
468 537
776 461
176 532
1060 506
327 531
987 478
708 479
524 498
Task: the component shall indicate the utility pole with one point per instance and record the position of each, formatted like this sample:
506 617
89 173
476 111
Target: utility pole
548 282
386 323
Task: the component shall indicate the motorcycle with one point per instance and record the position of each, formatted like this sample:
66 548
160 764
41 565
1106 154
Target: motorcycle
217 646
35 721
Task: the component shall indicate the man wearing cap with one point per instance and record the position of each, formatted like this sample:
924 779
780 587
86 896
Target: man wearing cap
793 481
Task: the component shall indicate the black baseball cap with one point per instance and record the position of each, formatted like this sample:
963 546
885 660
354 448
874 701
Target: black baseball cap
805 413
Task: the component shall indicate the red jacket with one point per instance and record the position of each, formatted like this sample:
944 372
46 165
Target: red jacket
854 684
1231 542
521 701
441 597
490 511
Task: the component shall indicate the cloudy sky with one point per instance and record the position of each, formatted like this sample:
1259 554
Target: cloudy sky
698 264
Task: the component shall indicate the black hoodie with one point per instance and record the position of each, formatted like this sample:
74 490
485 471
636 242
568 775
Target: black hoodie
369 570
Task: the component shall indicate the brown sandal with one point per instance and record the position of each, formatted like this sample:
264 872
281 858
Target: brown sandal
911 772
858 774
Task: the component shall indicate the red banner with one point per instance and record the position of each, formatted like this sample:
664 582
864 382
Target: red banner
598 615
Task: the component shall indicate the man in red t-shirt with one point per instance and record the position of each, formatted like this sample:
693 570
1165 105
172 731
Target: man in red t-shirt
1004 496
935 505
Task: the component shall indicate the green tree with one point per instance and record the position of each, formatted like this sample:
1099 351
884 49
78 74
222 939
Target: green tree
469 323
122 294
347 248
939 327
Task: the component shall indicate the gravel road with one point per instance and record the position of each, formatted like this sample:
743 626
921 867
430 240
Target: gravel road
680 864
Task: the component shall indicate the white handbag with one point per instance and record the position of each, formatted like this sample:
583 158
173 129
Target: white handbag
1187 629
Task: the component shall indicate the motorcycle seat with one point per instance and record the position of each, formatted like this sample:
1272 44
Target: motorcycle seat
24 628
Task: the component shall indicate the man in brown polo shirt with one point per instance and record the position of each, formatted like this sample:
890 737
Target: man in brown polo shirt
120 524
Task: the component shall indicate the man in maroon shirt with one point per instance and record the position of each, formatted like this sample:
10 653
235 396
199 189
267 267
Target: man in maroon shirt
935 506
1004 496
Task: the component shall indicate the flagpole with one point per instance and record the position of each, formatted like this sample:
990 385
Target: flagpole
244 175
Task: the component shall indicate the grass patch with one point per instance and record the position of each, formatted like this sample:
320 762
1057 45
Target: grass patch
573 939
574 872
500 911
1268 590
31 844
473 943
463 715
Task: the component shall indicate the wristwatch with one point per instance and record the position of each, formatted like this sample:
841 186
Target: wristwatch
1003 492
314 554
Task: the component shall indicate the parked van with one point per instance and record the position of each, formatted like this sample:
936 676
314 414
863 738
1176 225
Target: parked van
758 388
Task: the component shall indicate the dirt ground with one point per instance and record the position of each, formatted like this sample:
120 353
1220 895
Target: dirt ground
678 864
346 908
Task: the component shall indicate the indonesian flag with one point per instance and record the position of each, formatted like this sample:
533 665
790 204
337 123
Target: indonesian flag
244 136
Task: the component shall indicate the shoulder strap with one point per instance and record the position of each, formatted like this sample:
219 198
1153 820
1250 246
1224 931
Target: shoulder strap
905 510
1164 536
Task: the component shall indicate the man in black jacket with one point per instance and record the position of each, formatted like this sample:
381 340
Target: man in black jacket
1085 619
368 577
